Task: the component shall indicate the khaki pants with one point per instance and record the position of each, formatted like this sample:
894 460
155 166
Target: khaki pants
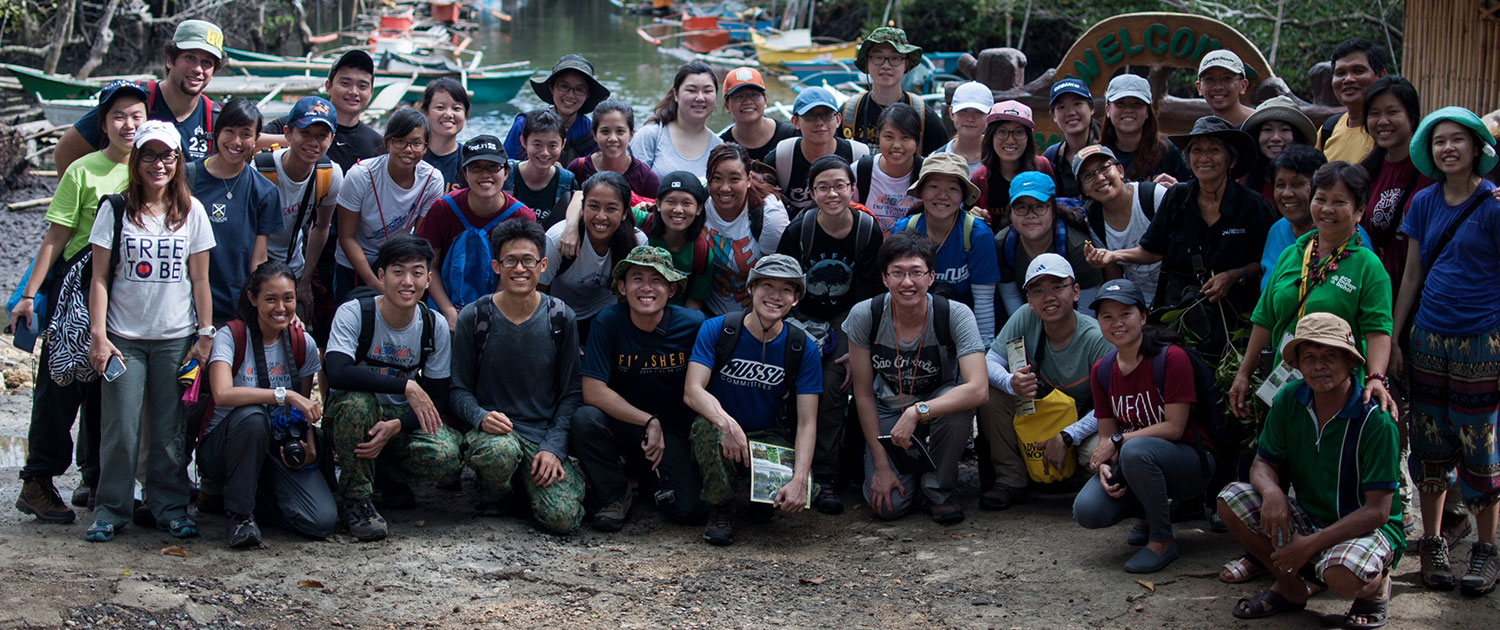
997 427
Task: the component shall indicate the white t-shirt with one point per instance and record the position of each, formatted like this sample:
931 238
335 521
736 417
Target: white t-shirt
280 369
888 198
152 295
948 148
585 286
384 208
1144 276
736 250
399 347
291 200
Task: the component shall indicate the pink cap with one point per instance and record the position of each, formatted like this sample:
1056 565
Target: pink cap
1014 111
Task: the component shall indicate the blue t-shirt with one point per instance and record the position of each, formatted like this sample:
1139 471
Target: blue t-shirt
646 368
1278 239
196 142
957 269
580 133
749 387
1458 298
239 209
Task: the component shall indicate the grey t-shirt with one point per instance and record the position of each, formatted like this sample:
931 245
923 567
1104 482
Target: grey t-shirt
400 347
1067 368
518 372
921 368
282 372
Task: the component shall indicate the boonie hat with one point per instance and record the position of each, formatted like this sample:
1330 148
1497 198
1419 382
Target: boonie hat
159 131
742 78
972 95
312 110
199 35
1128 86
1034 184
813 98
952 165
1421 141
1119 290
1069 86
1091 151
1284 109
1324 329
118 88
1012 111
1214 127
483 149
648 256
683 181
780 267
1048 264
576 63
887 35
1221 58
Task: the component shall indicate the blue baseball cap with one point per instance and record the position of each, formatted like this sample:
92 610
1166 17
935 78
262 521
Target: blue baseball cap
813 98
117 88
1069 86
311 110
1034 184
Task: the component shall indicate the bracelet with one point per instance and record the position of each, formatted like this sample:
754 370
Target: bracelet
29 297
1385 381
648 421
1242 275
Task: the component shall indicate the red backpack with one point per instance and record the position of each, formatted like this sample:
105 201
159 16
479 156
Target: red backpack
240 334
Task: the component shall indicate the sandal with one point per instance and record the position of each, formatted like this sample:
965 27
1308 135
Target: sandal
1265 604
1241 570
1374 612
179 528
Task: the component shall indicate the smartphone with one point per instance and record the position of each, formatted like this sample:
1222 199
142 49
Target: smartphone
114 368
26 336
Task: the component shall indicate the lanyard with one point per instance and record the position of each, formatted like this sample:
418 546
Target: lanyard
1314 273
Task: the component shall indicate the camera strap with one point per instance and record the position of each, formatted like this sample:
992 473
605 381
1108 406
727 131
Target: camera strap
258 348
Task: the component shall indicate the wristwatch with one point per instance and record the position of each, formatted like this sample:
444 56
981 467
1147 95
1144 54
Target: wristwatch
281 395
206 331
923 413
1117 439
1067 439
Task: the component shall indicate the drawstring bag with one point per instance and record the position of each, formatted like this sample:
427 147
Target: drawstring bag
1054 412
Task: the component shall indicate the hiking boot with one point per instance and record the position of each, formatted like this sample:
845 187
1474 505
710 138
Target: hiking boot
720 530
1435 572
950 513
83 496
363 522
39 498
1456 527
1001 498
827 500
611 518
1484 567
242 530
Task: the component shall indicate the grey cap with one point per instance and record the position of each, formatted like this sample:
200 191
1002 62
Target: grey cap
1119 290
1128 85
778 266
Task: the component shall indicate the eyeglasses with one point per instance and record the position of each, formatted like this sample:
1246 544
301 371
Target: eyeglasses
819 118
1030 209
840 188
401 145
1226 80
580 89
901 276
1013 134
1053 291
527 262
747 95
1097 173
484 167
886 60
166 157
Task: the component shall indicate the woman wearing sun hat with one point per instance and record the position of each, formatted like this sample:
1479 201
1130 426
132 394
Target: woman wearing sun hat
966 268
572 91
1275 125
1453 249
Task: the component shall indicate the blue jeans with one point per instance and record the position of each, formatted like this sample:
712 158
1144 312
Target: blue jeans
1156 472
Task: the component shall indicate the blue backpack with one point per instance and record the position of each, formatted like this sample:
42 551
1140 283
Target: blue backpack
466 266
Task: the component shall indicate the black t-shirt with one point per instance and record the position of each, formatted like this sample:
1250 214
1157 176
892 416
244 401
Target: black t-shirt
783 131
867 113
837 276
350 143
1187 244
647 369
1172 163
448 166
794 191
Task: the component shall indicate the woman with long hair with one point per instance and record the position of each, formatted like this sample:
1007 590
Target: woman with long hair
614 127
745 220
144 314
1392 111
676 137
1008 149
675 223
607 233
445 103
881 179
1275 125
1132 132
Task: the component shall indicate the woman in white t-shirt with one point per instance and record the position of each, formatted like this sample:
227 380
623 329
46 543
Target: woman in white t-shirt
1115 214
894 169
144 314
744 221
385 195
676 137
608 234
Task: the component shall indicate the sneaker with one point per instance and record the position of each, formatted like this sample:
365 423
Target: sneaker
39 498
1456 527
83 496
242 531
180 528
1001 498
611 518
1484 567
720 530
1435 572
827 499
363 521
100 531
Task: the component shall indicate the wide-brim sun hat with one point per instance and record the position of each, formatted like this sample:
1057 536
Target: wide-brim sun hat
1324 329
887 35
1284 109
952 165
1421 141
1214 127
576 63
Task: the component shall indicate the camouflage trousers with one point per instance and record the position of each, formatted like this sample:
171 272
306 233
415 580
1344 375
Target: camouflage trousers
723 477
407 457
496 459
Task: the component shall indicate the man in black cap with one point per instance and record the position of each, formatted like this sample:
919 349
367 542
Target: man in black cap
571 91
350 87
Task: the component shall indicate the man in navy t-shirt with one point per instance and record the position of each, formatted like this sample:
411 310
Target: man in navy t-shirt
740 396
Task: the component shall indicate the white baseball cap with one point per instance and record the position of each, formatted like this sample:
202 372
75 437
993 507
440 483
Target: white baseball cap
973 95
159 131
1221 58
1048 264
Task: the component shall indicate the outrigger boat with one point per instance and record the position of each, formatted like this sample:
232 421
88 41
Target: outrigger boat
800 45
496 83
50 85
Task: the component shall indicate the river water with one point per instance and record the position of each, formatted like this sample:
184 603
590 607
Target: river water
541 31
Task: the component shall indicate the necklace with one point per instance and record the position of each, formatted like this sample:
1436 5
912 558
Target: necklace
1315 271
230 185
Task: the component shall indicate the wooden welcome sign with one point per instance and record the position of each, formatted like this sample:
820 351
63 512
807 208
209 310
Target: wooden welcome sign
1173 40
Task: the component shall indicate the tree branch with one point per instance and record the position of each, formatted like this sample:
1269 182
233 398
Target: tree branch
144 11
34 51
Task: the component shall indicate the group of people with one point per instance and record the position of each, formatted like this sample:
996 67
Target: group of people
588 311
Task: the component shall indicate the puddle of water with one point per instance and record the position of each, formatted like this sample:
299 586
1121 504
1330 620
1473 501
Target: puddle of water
12 451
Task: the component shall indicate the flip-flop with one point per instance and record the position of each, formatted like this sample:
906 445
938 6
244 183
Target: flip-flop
1241 570
1265 604
1375 611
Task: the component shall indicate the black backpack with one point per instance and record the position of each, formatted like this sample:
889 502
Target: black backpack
366 298
791 359
1215 433
940 316
1144 191
556 316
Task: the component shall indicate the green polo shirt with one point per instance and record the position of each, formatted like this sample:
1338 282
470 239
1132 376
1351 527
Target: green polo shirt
77 197
1331 470
1359 291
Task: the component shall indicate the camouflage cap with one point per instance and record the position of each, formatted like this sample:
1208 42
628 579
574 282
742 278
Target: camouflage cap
648 256
888 35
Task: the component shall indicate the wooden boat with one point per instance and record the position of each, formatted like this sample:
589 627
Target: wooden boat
62 86
800 45
496 83
271 105
698 34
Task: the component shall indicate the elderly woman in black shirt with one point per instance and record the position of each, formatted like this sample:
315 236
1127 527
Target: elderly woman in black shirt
1206 234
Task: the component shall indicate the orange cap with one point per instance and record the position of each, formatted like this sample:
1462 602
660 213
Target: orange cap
742 77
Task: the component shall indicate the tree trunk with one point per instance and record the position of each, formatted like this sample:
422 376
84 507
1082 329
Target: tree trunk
1276 32
300 22
101 45
65 11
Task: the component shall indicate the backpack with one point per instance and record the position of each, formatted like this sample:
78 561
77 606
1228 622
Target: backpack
850 113
208 107
67 336
466 271
865 229
366 298
791 360
940 316
243 339
1215 433
1145 192
787 149
1326 131
561 196
557 316
1008 248
968 228
864 170
265 163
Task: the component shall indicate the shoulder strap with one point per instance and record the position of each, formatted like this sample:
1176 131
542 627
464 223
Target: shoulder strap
1326 131
864 231
863 169
1159 368
940 322
785 151
1448 234
324 170
428 336
558 321
877 312
208 115
1008 249
700 255
240 335
757 212
809 229
850 113
504 214
968 221
917 104
1104 371
366 329
857 149
452 205
298 340
192 172
1093 214
1146 191
265 162
729 334
303 208
117 205
791 358
262 372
